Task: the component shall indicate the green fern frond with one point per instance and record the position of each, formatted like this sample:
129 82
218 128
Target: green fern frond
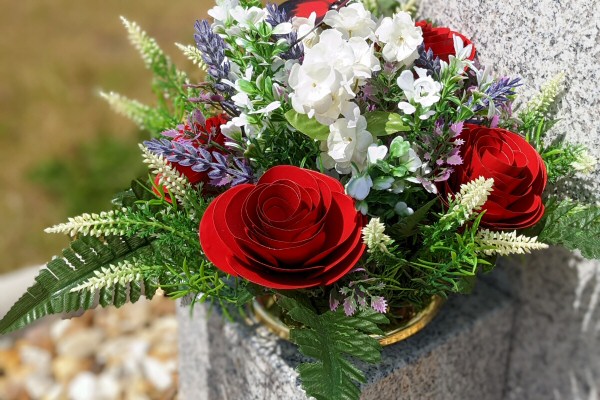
51 293
193 54
331 338
574 226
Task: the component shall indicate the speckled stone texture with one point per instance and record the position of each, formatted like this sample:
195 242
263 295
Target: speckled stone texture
462 354
556 345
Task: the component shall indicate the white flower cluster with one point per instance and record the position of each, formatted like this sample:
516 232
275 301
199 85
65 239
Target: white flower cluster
505 243
338 62
332 71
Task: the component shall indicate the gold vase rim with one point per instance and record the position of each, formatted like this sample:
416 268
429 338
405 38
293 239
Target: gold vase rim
415 324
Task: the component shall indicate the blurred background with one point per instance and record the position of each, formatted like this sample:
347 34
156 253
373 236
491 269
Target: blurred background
64 152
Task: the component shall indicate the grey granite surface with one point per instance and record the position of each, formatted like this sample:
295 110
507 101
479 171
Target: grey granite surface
556 347
462 354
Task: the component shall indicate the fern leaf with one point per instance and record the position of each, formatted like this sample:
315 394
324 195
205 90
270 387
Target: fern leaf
331 338
51 293
573 226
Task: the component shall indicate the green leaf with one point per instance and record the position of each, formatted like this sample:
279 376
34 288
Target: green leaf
573 226
382 123
51 292
331 338
309 126
246 86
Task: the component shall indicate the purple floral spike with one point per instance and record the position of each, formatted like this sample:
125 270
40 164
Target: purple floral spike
349 306
379 304
456 128
212 47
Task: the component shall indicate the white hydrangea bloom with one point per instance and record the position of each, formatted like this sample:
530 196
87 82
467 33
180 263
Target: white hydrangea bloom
349 140
329 74
221 13
305 27
248 17
317 91
400 37
352 20
423 90
365 61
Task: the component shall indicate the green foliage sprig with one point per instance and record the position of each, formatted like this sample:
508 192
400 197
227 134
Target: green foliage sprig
331 338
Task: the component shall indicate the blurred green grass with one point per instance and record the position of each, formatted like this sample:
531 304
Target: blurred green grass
62 149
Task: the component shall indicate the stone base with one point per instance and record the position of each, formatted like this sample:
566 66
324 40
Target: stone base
555 350
462 354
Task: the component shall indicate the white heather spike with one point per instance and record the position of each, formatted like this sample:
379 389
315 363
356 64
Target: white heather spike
123 272
193 54
88 225
132 109
505 243
147 46
374 236
470 199
174 181
547 95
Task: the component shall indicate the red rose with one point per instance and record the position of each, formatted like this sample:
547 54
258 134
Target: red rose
295 228
440 40
205 135
519 176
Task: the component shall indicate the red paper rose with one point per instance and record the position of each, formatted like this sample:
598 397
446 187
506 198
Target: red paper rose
205 135
295 228
440 40
519 176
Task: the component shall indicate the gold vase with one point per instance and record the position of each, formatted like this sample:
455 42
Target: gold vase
263 307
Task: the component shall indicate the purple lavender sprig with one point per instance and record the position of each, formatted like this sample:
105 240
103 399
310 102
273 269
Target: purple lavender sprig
223 172
498 92
278 16
222 169
428 61
212 47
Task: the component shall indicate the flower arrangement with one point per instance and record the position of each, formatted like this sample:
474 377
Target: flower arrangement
352 163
